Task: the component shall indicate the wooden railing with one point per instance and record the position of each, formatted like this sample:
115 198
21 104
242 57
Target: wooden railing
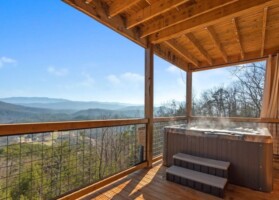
79 146
35 129
18 129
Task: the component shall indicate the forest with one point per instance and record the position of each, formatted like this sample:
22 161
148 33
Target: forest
46 165
241 98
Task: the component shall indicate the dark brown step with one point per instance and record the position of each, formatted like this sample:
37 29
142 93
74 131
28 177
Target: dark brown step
203 182
205 165
202 161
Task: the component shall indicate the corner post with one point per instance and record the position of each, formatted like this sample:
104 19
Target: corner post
149 92
189 96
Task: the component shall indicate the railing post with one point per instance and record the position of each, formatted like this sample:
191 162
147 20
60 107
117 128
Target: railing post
149 88
189 96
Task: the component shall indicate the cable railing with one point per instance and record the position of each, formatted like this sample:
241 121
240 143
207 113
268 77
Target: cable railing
50 164
158 132
51 160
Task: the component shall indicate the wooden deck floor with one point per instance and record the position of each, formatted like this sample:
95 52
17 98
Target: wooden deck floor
151 184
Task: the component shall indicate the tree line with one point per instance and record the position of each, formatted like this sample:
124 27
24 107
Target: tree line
241 98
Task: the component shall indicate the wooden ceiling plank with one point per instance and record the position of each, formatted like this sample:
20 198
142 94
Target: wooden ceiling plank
153 10
197 8
180 50
210 18
234 59
198 46
216 42
97 11
264 30
238 38
88 1
167 53
119 6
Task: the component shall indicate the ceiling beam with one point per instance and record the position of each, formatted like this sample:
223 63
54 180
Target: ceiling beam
180 50
234 59
264 30
165 52
185 12
215 16
88 1
217 43
238 38
198 46
153 10
119 6
97 11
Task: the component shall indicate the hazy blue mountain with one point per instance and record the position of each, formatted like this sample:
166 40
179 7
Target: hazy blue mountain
31 100
141 108
63 104
10 113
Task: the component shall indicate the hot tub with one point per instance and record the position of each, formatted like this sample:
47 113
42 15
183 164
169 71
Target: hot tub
248 150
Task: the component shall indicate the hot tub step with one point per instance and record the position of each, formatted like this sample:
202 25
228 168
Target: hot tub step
197 180
205 165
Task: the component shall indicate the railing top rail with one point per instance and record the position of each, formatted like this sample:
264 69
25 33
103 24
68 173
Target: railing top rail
19 129
167 119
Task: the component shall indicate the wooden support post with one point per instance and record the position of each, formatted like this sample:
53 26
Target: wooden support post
149 84
189 96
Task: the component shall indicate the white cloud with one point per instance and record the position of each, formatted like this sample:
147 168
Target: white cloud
129 76
88 80
58 72
173 69
113 79
5 60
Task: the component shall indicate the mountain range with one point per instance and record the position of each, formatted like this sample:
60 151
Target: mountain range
63 104
43 109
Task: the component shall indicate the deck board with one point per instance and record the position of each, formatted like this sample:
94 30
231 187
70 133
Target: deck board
151 184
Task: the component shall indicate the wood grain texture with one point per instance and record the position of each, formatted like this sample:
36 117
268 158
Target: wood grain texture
238 36
97 10
29 128
210 18
217 43
119 6
153 10
152 184
182 51
252 35
102 183
149 101
264 30
184 13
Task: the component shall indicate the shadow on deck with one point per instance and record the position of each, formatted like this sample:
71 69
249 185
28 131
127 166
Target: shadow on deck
151 184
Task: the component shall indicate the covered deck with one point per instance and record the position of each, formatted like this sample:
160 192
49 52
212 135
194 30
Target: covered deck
193 35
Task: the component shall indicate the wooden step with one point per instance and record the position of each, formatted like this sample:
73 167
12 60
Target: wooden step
202 161
200 181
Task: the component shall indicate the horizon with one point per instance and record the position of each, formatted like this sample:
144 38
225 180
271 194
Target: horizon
43 61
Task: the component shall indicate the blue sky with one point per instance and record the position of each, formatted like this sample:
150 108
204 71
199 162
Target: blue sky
50 49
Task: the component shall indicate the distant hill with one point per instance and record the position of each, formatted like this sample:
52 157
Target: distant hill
10 113
141 108
31 100
63 104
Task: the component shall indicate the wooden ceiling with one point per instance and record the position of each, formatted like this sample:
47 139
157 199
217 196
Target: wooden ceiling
193 34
